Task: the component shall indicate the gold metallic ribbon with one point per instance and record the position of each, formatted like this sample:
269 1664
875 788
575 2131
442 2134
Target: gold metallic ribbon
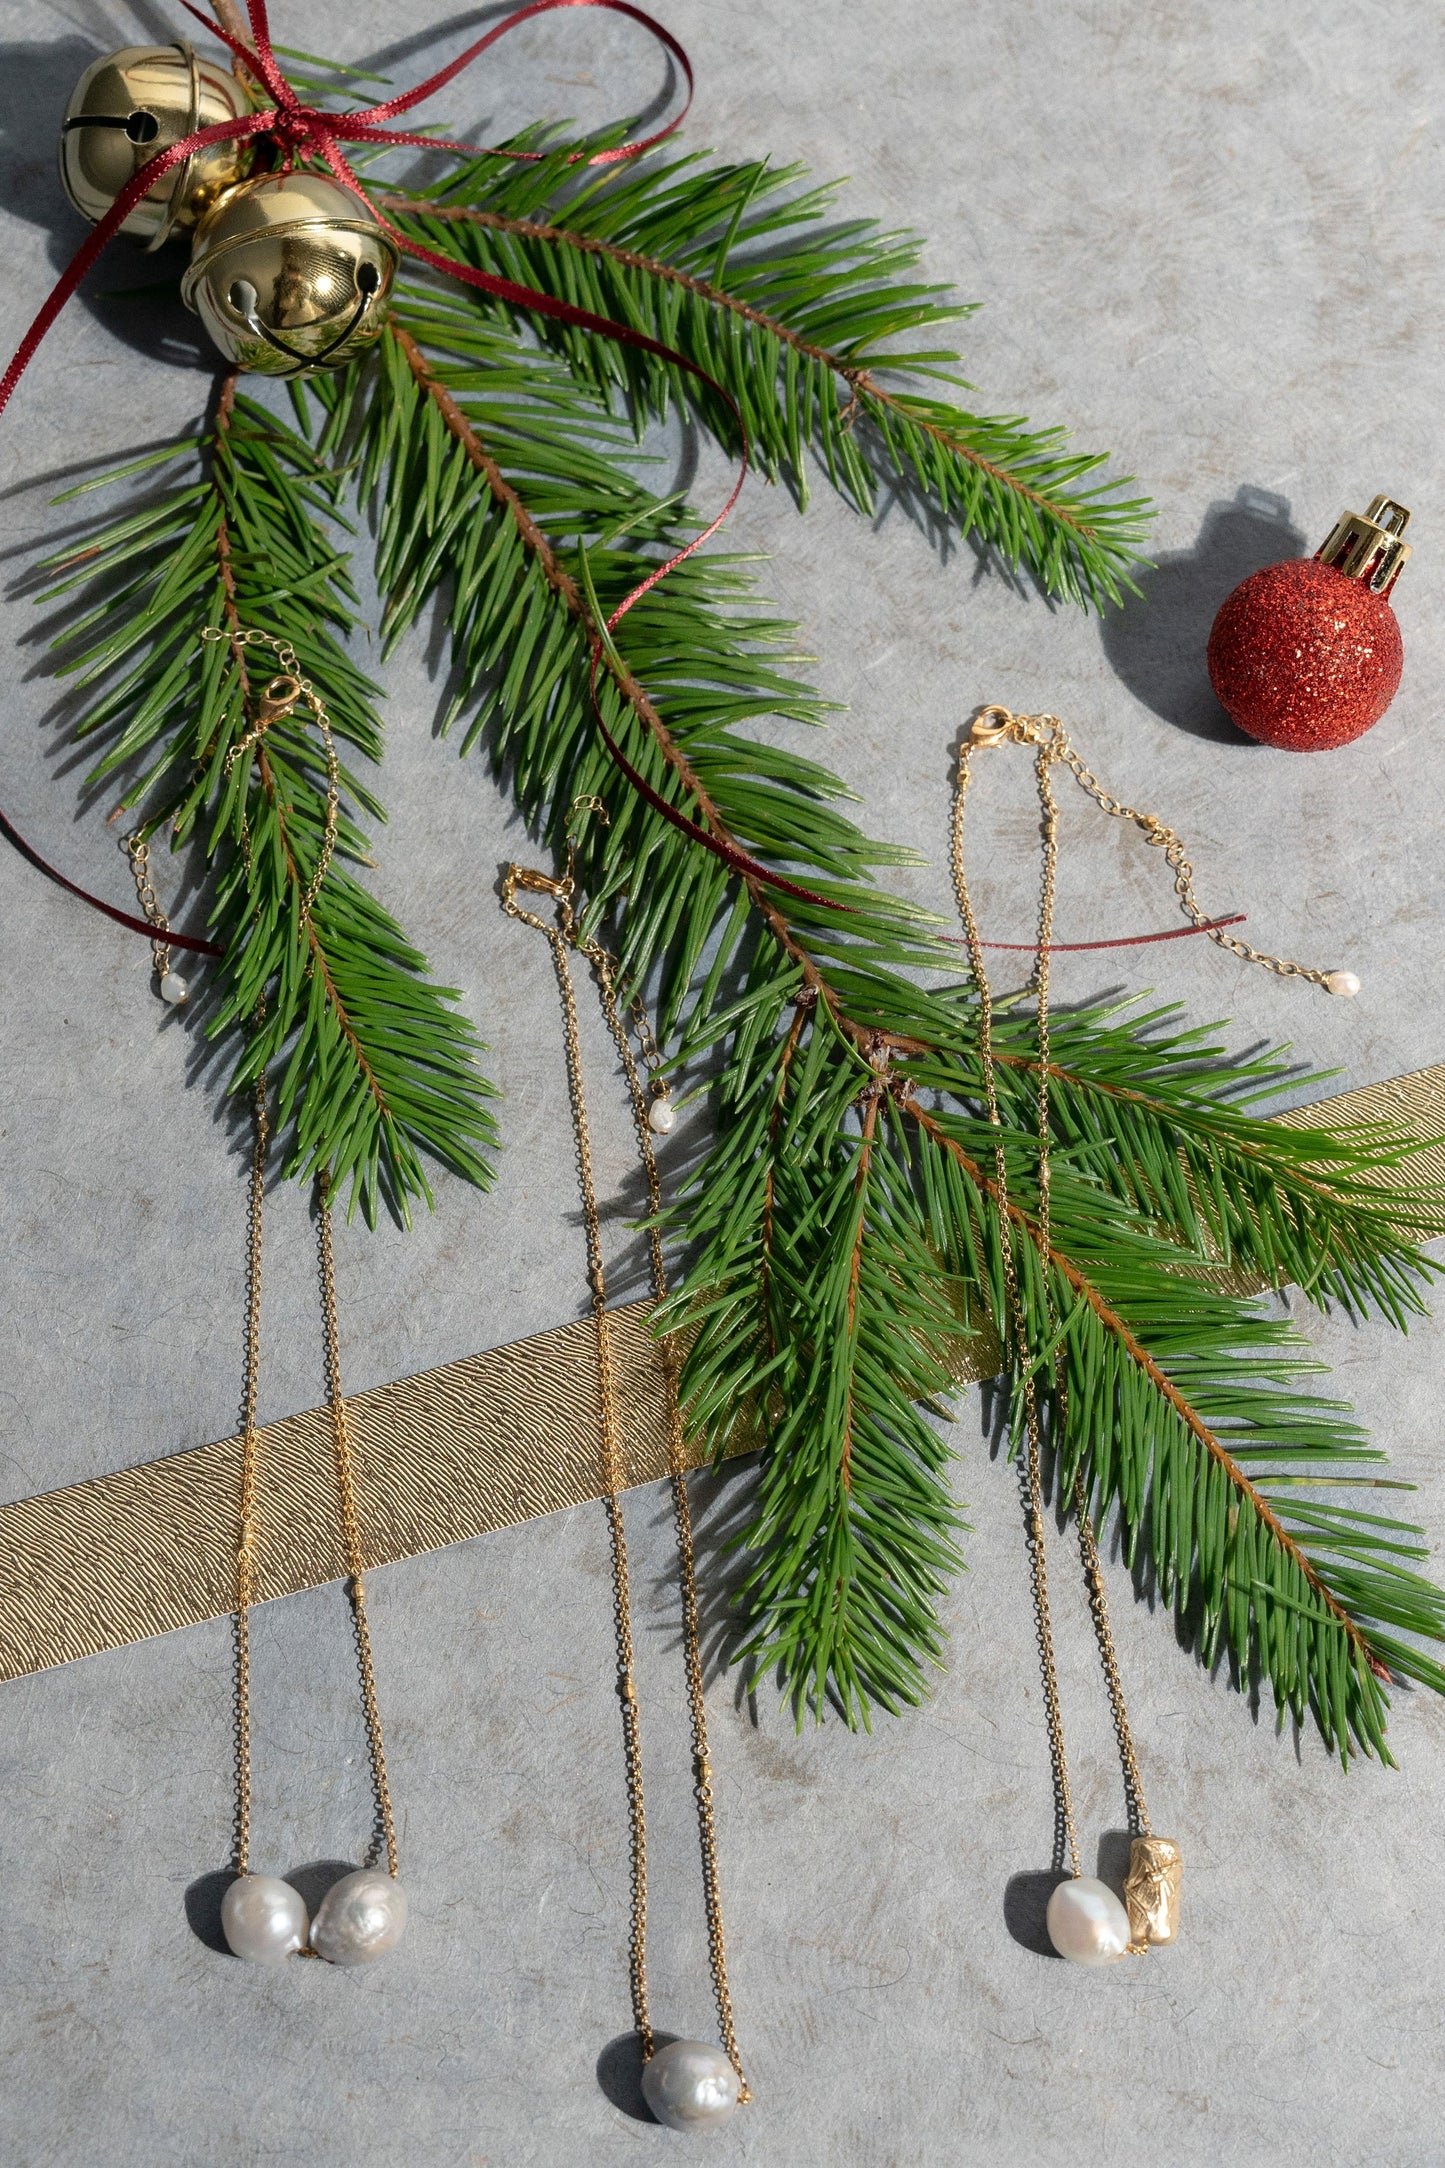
477 1445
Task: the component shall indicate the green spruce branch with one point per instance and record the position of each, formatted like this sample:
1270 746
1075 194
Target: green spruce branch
840 1231
824 1285
374 1068
800 314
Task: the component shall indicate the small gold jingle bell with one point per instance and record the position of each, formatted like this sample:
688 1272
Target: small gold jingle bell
129 107
291 273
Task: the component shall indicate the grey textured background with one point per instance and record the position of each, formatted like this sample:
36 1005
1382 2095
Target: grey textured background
1209 238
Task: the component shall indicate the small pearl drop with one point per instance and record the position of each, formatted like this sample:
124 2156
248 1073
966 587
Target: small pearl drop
361 1917
1341 982
263 1918
1086 1922
690 2085
662 1116
174 989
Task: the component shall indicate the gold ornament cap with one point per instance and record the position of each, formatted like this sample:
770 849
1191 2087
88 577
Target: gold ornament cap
125 110
291 274
1151 1890
1368 546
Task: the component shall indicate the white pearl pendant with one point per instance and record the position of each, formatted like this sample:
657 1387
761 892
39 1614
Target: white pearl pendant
662 1116
1341 982
360 1918
1086 1922
263 1919
174 989
690 2085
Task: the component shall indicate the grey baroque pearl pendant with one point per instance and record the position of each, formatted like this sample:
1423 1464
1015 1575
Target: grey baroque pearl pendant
1086 1922
360 1918
263 1919
690 2085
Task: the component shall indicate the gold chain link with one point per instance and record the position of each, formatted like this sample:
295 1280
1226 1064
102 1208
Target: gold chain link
385 1833
1066 1838
564 936
137 849
279 698
250 1462
994 725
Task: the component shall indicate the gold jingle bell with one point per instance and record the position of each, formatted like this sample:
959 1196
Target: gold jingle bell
129 107
291 273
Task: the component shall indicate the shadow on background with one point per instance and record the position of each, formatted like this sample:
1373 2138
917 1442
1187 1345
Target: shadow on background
1112 1858
203 1908
1025 1901
1156 643
136 295
312 1881
619 2074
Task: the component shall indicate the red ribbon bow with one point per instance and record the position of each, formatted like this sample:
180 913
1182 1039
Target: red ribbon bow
311 132
308 131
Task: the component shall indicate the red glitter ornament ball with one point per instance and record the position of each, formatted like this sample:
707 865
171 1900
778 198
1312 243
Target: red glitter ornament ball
1307 655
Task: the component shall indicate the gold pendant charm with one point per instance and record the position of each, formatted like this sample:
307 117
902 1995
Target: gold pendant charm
1151 1890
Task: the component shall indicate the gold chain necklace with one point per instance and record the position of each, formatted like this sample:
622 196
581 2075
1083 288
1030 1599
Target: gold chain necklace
1086 1920
363 1915
688 2084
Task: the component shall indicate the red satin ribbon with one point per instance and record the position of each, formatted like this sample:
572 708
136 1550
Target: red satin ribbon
305 131
162 934
1128 940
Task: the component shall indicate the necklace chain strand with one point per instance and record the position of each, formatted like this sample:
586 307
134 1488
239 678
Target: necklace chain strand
384 1834
250 1457
248 1538
1066 1840
564 937
287 690
1052 745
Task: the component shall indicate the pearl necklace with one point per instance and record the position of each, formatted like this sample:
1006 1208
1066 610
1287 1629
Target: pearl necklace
264 1917
690 2085
1086 1920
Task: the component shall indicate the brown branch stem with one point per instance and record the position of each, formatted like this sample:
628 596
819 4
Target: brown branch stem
862 383
570 594
1164 1385
230 606
225 408
867 1042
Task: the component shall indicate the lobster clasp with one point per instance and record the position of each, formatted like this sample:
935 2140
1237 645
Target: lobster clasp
992 726
537 883
540 884
278 699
